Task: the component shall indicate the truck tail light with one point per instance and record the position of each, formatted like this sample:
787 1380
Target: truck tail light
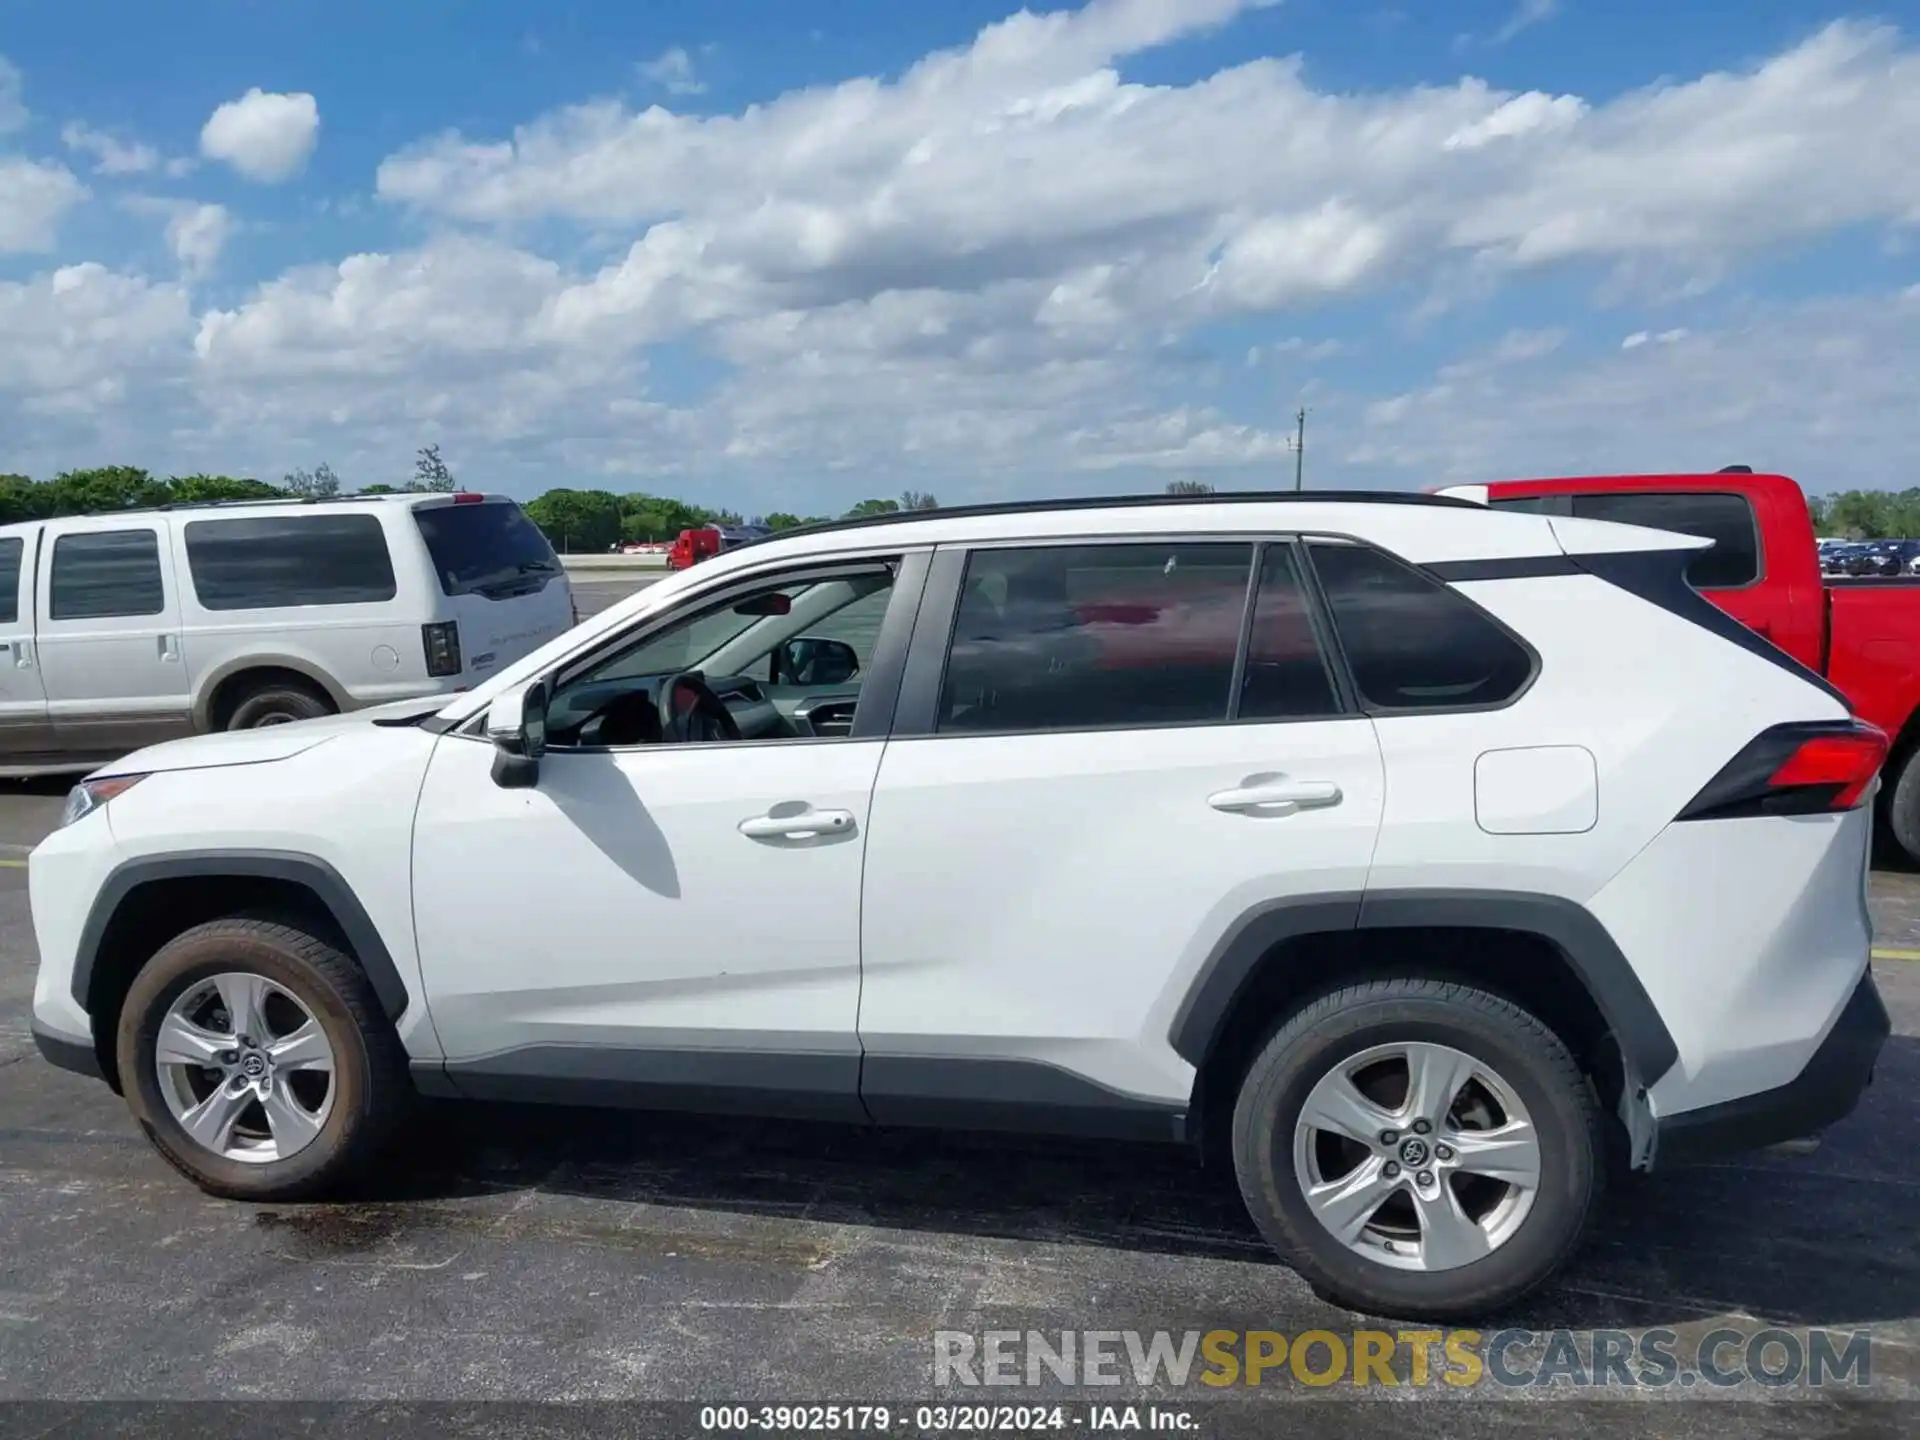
1812 768
442 643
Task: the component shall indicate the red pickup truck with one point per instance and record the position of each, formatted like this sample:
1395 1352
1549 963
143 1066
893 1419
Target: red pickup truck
1862 634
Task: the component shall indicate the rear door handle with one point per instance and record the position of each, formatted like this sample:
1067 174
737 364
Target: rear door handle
169 649
1277 797
802 825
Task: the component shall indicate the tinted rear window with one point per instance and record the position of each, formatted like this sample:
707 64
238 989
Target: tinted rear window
269 562
11 549
489 549
1077 637
1411 642
106 573
1725 519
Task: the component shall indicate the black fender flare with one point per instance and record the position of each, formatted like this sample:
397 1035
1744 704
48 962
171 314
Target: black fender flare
1645 1043
292 866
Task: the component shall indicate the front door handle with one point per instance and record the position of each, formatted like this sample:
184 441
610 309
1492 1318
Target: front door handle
1277 797
801 825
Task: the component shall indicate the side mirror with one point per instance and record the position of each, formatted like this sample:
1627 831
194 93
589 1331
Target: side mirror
809 661
517 726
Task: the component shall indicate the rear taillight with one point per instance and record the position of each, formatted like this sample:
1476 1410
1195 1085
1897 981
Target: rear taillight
1812 768
442 642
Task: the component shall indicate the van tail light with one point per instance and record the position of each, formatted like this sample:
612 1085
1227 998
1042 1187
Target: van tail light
1813 768
468 497
442 642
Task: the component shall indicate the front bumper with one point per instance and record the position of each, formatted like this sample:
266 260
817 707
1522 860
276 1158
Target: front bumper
1824 1092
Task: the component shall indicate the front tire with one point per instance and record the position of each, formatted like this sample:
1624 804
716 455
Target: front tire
257 1059
1418 1149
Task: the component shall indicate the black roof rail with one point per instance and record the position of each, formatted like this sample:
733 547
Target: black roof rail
1127 502
281 500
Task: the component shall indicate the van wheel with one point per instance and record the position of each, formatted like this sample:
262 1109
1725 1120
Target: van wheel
277 702
257 1059
1418 1149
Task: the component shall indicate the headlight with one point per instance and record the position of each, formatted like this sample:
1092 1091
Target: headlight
89 795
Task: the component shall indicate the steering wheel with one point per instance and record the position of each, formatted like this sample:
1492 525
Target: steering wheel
690 713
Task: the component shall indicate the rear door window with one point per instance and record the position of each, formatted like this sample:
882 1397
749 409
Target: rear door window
104 574
12 549
1287 674
279 561
1411 642
1726 519
489 549
1077 637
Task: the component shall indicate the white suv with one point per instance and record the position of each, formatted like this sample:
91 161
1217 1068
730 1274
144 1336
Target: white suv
1425 860
123 629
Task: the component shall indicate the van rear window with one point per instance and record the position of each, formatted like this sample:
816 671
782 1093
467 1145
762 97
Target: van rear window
490 549
271 562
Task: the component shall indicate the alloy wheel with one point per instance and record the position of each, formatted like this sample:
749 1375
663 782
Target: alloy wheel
1417 1156
245 1068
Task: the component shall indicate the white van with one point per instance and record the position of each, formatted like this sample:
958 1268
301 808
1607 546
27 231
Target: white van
123 629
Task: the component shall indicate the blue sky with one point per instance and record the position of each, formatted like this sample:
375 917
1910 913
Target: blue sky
786 255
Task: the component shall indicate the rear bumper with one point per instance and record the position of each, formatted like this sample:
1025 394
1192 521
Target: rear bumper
1824 1092
67 1053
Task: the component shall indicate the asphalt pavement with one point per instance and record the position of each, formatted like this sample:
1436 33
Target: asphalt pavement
510 1253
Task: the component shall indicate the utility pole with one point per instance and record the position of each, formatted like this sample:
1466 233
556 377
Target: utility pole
1300 448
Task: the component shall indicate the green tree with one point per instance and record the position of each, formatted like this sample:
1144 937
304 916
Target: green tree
202 489
1189 487
107 488
782 520
918 500
658 517
873 507
319 483
378 490
577 521
430 472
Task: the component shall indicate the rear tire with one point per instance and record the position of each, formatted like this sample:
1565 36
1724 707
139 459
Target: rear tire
1903 808
1446 1239
277 702
312 1068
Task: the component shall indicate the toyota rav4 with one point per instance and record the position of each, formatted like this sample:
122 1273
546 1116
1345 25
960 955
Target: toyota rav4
1422 862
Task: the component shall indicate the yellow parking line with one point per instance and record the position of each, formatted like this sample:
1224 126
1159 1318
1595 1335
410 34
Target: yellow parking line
1880 954
14 864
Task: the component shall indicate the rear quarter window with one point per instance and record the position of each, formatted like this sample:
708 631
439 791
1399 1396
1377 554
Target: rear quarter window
271 562
1411 642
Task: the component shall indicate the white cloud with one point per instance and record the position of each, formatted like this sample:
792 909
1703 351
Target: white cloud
1526 15
672 70
1815 389
111 156
999 270
35 196
264 136
13 108
197 234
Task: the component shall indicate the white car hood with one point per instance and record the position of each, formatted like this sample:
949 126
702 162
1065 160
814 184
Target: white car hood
253 747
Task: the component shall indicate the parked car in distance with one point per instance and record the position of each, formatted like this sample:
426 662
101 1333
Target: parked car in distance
1403 855
122 629
1862 636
